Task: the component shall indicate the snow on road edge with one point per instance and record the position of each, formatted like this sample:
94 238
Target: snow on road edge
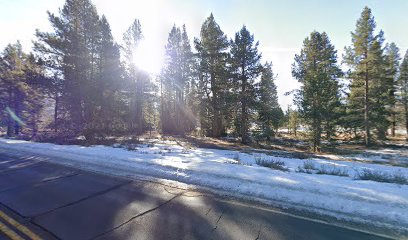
380 204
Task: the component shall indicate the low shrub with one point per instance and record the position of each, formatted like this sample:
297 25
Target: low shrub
377 176
333 171
304 170
309 165
270 163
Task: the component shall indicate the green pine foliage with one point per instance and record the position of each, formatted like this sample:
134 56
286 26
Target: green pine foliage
21 86
392 59
176 83
246 68
403 90
213 80
317 70
293 121
371 92
270 114
86 66
135 80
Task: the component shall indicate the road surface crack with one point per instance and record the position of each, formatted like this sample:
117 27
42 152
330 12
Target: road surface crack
208 211
259 232
138 215
68 175
218 220
171 193
84 198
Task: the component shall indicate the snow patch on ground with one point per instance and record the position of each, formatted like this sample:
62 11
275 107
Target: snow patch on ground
397 157
381 204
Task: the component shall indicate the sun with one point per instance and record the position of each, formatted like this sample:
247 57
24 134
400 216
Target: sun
148 57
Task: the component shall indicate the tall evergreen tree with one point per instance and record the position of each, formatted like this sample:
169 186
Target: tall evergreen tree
170 81
270 114
136 79
369 91
317 70
74 47
109 84
403 89
392 59
13 87
246 67
381 88
37 82
21 98
188 81
213 82
176 82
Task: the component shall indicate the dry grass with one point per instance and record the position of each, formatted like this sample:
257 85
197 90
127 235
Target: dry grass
377 176
271 163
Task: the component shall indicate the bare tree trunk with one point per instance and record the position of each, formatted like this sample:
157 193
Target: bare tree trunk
35 128
139 106
132 111
217 123
161 105
244 115
9 119
317 132
244 124
406 118
217 119
17 113
296 124
366 109
394 123
56 112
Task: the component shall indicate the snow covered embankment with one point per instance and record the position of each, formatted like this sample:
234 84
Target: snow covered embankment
380 204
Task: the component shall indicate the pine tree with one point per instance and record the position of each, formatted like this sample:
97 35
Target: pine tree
73 48
317 70
50 47
176 80
35 78
14 85
293 121
246 67
107 83
136 79
392 59
21 83
369 92
213 82
403 89
381 89
188 114
270 115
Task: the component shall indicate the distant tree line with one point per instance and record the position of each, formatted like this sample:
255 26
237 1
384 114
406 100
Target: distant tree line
79 81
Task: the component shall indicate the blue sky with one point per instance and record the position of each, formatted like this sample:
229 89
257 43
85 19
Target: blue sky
280 26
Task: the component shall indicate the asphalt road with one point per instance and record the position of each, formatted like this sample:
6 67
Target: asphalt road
56 202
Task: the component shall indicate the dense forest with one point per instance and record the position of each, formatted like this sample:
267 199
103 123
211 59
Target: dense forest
79 81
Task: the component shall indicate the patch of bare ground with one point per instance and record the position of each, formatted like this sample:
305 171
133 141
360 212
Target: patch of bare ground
284 145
